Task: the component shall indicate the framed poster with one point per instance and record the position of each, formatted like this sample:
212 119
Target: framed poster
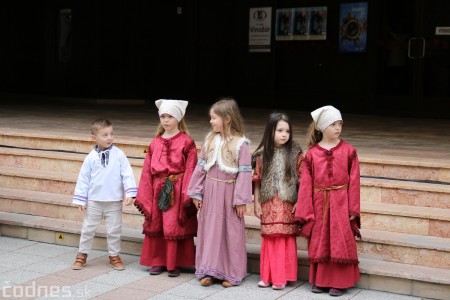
260 29
353 27
301 23
318 23
284 26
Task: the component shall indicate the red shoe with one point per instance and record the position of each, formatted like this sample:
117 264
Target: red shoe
174 273
337 292
156 270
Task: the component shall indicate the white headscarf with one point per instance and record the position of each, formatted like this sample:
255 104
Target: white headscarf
325 116
175 108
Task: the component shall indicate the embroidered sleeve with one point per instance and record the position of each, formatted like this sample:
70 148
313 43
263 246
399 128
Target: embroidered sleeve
256 177
243 187
299 166
354 186
196 183
144 197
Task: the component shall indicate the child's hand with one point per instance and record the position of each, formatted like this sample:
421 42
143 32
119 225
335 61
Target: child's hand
197 203
352 218
240 210
82 208
129 201
257 209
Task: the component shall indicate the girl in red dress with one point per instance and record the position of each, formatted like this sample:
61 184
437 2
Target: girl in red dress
276 163
329 205
170 216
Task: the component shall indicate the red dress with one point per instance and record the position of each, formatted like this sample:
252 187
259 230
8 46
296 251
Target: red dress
169 235
329 194
278 261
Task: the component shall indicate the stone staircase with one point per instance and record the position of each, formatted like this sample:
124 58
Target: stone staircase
406 219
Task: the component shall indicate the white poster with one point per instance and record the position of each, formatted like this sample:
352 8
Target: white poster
260 29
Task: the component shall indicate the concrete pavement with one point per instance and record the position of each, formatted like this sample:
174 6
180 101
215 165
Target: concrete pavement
35 270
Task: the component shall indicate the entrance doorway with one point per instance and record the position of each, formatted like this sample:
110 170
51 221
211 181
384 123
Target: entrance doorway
413 59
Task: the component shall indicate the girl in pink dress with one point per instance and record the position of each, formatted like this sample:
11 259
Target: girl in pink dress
221 186
329 205
276 163
170 216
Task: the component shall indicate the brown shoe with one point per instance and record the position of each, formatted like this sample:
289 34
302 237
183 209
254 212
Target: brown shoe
80 261
226 284
116 263
206 281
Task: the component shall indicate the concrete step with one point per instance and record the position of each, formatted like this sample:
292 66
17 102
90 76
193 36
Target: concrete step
69 142
372 190
418 220
52 160
406 248
410 168
379 275
53 205
59 206
405 192
388 246
38 180
373 165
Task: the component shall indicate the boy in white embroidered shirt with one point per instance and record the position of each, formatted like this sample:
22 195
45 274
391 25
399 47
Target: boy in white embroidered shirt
104 179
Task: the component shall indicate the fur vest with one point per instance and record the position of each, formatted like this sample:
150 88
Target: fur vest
274 182
225 153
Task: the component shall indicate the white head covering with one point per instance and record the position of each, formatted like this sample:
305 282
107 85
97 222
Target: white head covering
325 116
175 108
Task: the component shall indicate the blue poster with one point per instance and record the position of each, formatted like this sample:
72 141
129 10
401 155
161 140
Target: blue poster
283 26
301 23
318 23
353 27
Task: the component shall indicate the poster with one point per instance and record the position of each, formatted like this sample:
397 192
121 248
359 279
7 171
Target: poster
318 23
284 24
260 29
353 27
301 23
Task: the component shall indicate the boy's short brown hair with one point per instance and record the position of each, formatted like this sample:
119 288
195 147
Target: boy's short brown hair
99 124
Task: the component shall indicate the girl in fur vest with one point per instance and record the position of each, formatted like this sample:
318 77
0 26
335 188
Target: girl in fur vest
276 163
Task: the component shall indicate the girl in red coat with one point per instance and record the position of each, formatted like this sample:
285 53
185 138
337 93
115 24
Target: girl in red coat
329 205
170 216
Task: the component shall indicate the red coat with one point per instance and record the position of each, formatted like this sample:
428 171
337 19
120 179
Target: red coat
172 156
324 215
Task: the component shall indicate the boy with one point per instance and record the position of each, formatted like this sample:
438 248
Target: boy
104 178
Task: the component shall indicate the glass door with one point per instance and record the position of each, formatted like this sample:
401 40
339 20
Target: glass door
413 62
435 72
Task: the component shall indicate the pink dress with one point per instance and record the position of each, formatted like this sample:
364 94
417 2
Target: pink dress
221 251
329 194
169 235
278 261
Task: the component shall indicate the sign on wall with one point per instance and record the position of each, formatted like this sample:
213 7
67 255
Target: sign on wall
260 29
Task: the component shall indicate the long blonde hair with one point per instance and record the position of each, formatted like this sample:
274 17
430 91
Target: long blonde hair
227 107
313 136
182 126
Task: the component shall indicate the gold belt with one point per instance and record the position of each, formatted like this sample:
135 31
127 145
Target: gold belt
326 196
229 181
173 177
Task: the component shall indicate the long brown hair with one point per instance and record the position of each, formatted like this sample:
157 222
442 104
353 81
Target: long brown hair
268 144
313 136
227 107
